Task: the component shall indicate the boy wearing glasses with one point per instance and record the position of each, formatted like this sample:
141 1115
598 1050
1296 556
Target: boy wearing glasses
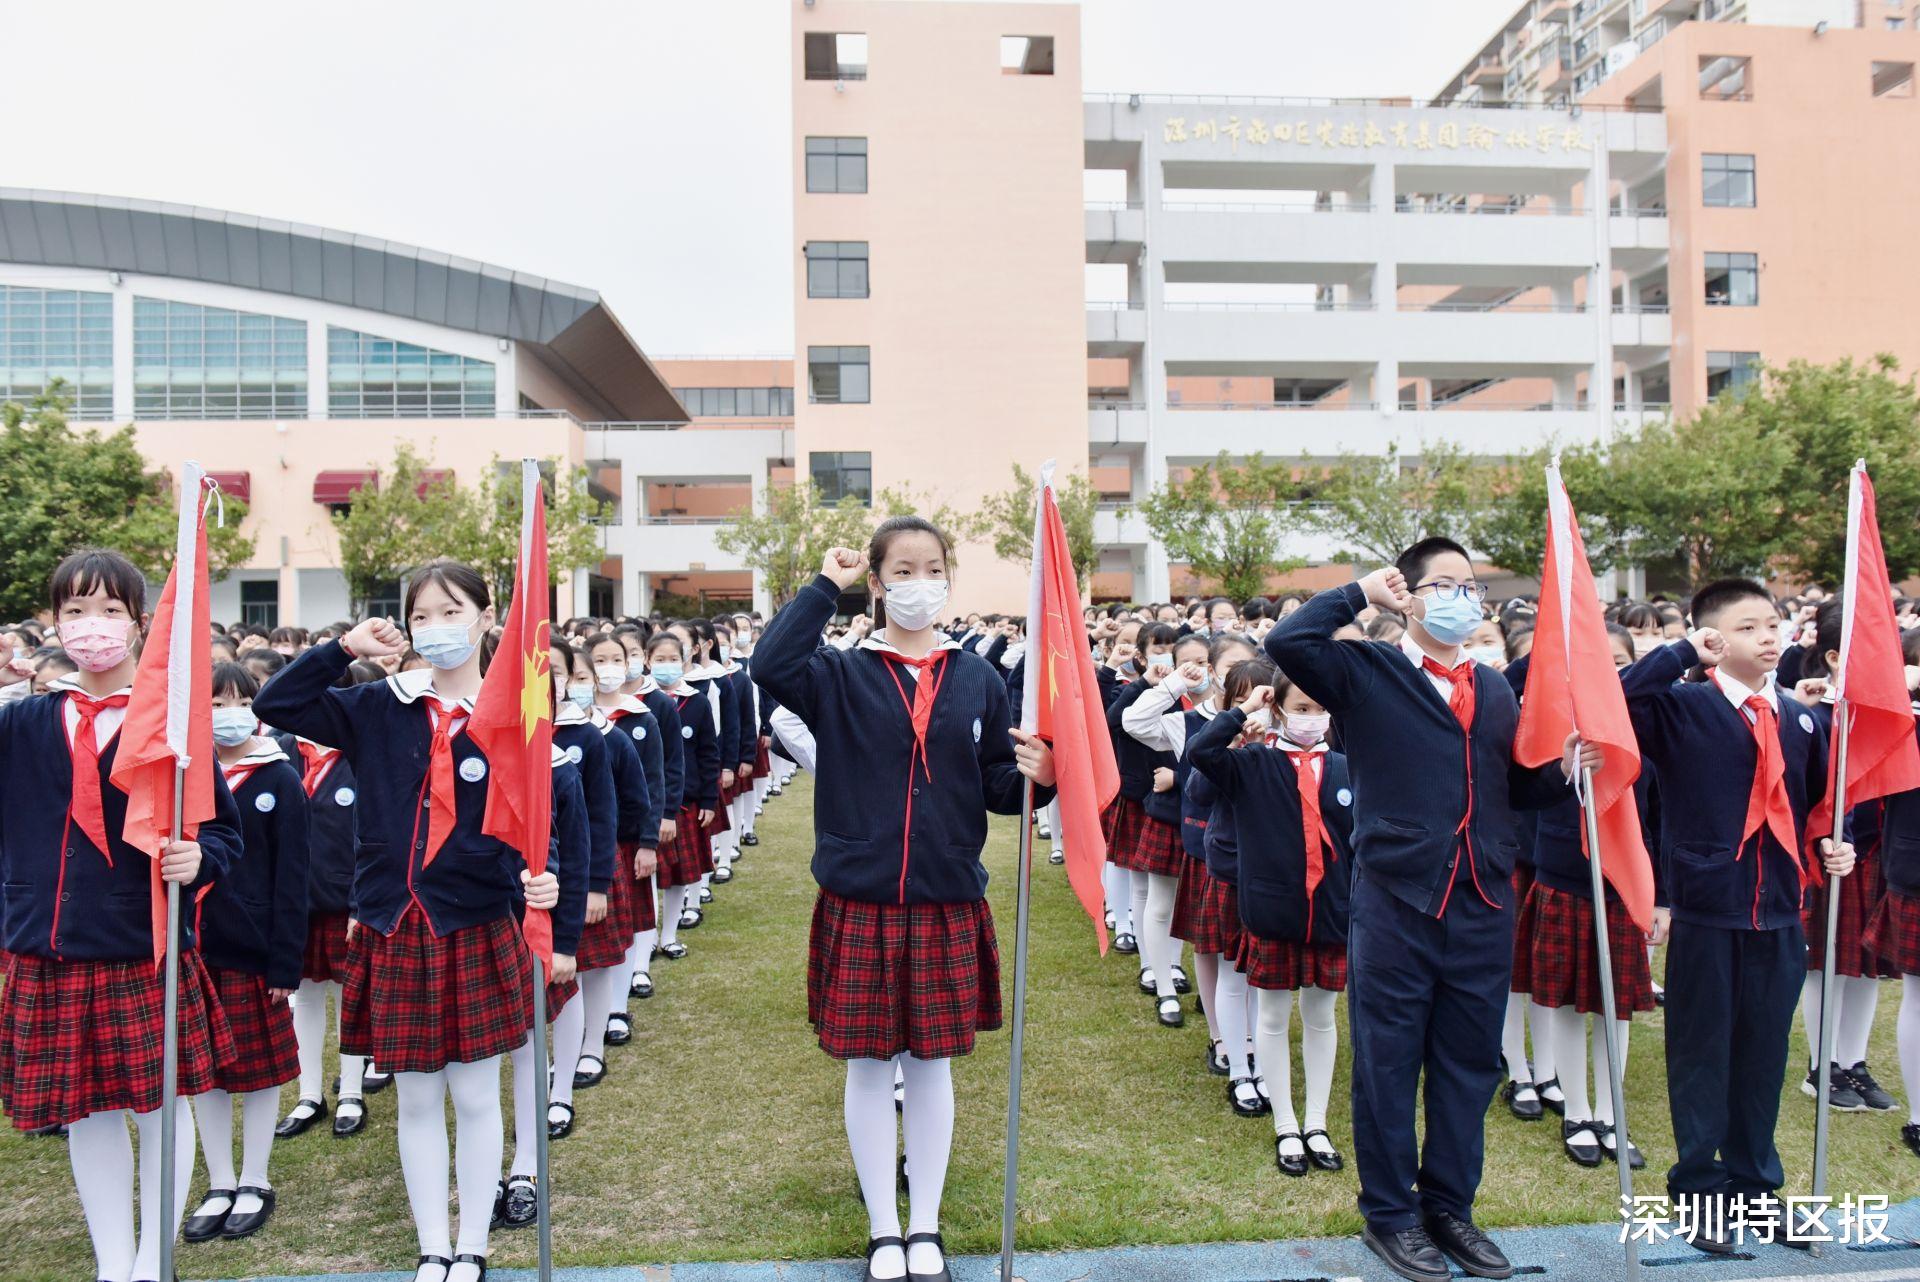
1429 738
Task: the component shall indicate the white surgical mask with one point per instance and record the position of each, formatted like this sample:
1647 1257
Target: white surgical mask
914 604
233 726
1307 728
445 645
1644 646
1201 686
1163 661
1487 653
1262 718
726 653
580 694
610 677
636 668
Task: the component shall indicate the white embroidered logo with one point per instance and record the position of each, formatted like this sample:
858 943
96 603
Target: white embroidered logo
976 730
344 797
473 770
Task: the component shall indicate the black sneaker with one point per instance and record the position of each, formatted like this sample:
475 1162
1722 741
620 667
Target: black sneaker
1910 1136
1871 1093
1411 1253
1841 1096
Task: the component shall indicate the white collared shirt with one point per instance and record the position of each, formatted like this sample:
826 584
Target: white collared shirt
1738 694
1418 657
1157 720
106 722
878 641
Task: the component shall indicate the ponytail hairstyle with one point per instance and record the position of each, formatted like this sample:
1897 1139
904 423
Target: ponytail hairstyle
1828 619
883 536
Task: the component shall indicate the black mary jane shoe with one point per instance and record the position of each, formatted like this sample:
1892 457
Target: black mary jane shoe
350 1118
878 1245
523 1203
440 1260
372 1082
942 1275
1910 1136
1548 1101
706 896
1581 1154
1056 856
205 1228
583 1078
1181 984
721 876
49 1131
750 838
1294 1164
691 919
641 985
674 951
1242 1106
1125 943
304 1116
563 1128
1635 1159
248 1223
479 1261
1522 1100
1145 983
619 1029
499 1209
1170 1014
1327 1160
1467 1246
1215 1053
1409 1253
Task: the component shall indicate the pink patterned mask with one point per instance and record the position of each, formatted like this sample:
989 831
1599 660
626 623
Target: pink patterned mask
96 643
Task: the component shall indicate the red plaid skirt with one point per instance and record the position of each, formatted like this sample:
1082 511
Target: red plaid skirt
762 762
646 914
558 995
887 978
605 942
689 856
1291 965
265 1052
325 960
1522 938
1894 932
80 1037
1564 957
1200 909
417 1003
1860 893
1155 848
1109 821
722 821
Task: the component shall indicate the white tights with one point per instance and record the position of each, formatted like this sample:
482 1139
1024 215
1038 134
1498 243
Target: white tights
102 1159
310 1030
1570 1037
478 1150
1855 998
1319 1045
1119 897
1907 1034
872 1131
1523 1015
1153 896
259 1113
1227 1004
672 901
1206 978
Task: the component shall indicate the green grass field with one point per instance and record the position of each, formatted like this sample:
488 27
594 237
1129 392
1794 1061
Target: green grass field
717 1134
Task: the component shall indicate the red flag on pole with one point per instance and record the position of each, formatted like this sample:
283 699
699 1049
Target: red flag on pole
1882 755
169 720
1572 686
1061 703
513 715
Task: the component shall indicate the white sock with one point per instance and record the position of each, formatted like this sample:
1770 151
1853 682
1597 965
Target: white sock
1206 978
214 1112
873 1136
259 1113
643 950
1570 1058
478 1147
1856 1016
1228 1001
1137 914
602 992
1119 887
1513 1038
1907 1039
1546 1066
310 1031
421 1128
146 1258
1319 1046
1810 1016
569 1041
672 900
1156 934
1602 1079
526 1153
929 1145
101 1153
1275 1054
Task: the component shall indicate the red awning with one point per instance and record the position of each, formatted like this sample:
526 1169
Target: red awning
335 488
235 485
432 476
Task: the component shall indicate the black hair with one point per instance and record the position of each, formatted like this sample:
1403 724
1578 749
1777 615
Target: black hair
1192 638
1228 641
1517 641
271 660
1828 618
233 680
1244 678
1158 634
362 672
664 637
286 636
55 656
883 536
1910 647
1220 600
1721 593
1618 632
453 578
1377 626
1256 608
1413 562
1638 614
557 642
92 568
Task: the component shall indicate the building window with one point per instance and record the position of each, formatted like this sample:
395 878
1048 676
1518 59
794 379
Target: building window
373 377
209 362
385 601
57 334
836 55
260 602
837 165
1726 78
1026 55
836 269
1733 280
1727 181
737 402
842 475
1731 372
1893 80
839 375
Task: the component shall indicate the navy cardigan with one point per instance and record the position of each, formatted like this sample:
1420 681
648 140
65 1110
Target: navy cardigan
1702 748
673 764
1412 783
60 897
1900 840
1220 843
634 755
1136 761
254 919
475 879
699 752
747 721
330 842
889 827
587 752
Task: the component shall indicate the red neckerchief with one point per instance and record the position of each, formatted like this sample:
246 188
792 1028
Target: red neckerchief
444 815
238 773
1767 803
932 669
1313 828
1460 702
84 809
318 762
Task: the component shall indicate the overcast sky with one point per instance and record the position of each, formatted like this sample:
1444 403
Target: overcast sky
636 147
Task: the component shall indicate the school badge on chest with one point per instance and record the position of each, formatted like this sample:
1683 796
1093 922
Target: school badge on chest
473 770
344 797
265 802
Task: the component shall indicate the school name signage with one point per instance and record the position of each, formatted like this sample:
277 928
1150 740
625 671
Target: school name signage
1420 135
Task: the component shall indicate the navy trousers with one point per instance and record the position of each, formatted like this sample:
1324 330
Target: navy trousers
1426 996
1733 991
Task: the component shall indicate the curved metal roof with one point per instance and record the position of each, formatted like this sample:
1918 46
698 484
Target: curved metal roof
570 327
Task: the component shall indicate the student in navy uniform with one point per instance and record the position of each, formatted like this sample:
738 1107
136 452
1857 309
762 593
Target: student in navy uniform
1121 666
253 931
1893 934
327 779
81 1010
747 715
688 856
635 709
915 750
1138 844
1739 768
707 674
744 628
439 981
1429 741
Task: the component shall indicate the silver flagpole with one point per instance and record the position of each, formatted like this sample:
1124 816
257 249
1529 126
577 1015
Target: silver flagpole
170 1041
1825 1055
1607 1008
1007 1209
541 1195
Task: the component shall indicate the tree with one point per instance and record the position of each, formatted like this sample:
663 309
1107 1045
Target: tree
1225 521
390 527
61 490
488 536
1510 527
786 539
1704 496
1007 518
1377 507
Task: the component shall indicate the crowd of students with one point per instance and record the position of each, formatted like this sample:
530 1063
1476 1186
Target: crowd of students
1317 797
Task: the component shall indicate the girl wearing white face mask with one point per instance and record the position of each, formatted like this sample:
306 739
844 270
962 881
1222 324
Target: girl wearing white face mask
912 734
253 937
655 721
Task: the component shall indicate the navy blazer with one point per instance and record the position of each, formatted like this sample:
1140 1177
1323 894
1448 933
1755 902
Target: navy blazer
330 840
1900 840
699 752
634 754
889 827
1136 761
254 919
1412 781
385 731
586 751
746 719
673 765
1220 844
61 896
1702 748
1196 813
720 691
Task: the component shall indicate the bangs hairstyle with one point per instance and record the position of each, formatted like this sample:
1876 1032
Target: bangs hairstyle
1721 593
1244 678
452 577
558 644
883 538
593 643
1231 641
1192 640
1158 634
662 639
1638 614
91 569
234 682
1414 561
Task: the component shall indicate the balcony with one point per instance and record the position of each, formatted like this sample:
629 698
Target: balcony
1490 72
1118 527
1113 329
1202 431
1642 327
1638 233
1116 422
1115 231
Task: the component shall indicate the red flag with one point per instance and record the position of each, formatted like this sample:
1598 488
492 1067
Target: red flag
513 715
1882 754
1572 686
1062 704
170 713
